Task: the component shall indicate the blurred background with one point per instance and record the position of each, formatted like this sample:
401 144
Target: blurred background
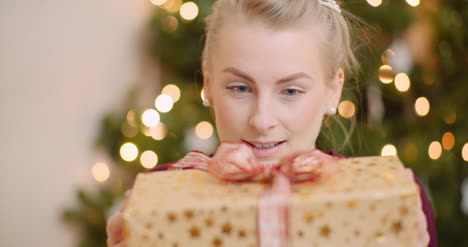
93 92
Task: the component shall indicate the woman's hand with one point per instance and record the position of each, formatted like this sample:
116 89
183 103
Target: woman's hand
115 237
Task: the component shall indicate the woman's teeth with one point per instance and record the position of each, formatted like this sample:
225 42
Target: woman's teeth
263 146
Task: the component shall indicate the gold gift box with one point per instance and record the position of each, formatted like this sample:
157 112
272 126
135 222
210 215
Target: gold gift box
369 201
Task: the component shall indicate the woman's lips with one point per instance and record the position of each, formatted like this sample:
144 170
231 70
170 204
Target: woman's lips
266 152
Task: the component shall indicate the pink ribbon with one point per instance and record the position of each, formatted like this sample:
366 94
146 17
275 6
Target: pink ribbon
236 162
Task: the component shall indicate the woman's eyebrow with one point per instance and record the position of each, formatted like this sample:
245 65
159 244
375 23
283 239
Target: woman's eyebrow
283 80
239 73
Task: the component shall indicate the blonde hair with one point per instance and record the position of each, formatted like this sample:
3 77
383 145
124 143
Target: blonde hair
280 14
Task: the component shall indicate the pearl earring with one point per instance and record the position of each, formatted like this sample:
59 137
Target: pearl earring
206 102
332 111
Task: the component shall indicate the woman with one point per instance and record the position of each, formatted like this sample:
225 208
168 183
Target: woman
272 70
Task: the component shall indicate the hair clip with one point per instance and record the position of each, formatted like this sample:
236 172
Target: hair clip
331 4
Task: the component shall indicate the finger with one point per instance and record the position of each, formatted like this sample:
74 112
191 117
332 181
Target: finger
127 194
121 244
409 172
110 242
114 229
423 234
125 201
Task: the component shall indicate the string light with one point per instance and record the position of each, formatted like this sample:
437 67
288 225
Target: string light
374 3
159 131
100 172
465 152
346 109
158 2
435 150
402 82
413 3
422 106
189 11
386 74
149 159
389 150
204 130
172 5
129 151
173 91
448 140
150 118
163 103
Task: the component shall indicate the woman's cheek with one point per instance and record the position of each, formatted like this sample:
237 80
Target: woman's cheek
228 120
305 118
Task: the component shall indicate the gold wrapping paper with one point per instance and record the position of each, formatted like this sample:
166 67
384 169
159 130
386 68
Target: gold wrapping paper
369 201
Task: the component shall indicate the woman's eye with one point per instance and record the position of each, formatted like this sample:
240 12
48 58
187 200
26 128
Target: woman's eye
240 88
291 91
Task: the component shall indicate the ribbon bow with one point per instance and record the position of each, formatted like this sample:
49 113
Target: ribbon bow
236 162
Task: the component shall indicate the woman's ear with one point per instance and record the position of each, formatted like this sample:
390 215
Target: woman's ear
336 88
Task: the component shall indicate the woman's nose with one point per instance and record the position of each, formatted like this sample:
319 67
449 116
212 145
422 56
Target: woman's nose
263 116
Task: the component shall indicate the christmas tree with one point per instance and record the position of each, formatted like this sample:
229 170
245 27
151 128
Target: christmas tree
406 101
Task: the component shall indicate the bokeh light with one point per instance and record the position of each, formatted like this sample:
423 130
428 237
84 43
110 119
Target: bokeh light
189 11
159 131
132 117
451 118
389 150
413 3
346 109
173 91
435 150
204 130
422 106
146 130
388 55
386 74
100 172
172 5
149 159
448 140
164 103
150 118
374 3
158 2
465 152
128 130
170 24
129 151
402 82
202 94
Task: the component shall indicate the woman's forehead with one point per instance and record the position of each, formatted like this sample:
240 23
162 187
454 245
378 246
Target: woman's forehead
257 46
